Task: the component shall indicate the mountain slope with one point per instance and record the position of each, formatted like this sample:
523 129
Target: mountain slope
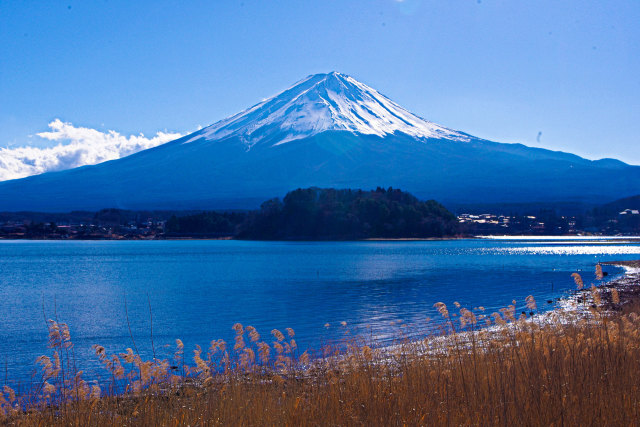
320 103
327 131
632 202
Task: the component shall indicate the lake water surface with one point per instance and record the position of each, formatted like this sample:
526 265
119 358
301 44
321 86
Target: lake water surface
199 289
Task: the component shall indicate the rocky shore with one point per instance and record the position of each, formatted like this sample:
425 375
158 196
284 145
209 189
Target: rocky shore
628 286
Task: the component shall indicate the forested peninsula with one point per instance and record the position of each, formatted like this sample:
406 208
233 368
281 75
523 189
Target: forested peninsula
326 214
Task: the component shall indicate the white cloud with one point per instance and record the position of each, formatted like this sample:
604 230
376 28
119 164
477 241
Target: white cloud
77 146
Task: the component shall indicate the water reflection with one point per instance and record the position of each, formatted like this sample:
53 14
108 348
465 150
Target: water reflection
198 289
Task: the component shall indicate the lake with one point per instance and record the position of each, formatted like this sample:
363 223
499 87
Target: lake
198 289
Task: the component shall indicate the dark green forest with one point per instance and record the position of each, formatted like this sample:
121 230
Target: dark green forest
208 223
327 214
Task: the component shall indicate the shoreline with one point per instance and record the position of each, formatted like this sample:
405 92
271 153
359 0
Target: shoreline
534 237
628 286
581 301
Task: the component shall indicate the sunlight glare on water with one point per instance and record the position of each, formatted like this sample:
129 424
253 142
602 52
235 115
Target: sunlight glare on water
199 289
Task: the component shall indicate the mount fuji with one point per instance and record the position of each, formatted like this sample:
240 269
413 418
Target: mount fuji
328 130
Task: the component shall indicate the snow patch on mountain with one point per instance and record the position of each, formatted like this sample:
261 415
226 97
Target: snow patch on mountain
319 103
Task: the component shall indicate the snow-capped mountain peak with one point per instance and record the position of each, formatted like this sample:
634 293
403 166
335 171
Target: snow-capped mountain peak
323 102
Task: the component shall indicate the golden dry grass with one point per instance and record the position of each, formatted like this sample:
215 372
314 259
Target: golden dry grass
582 372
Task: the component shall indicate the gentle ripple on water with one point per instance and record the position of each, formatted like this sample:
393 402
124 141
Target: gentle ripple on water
199 289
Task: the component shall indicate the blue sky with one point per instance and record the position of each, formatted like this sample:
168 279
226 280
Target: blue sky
561 75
